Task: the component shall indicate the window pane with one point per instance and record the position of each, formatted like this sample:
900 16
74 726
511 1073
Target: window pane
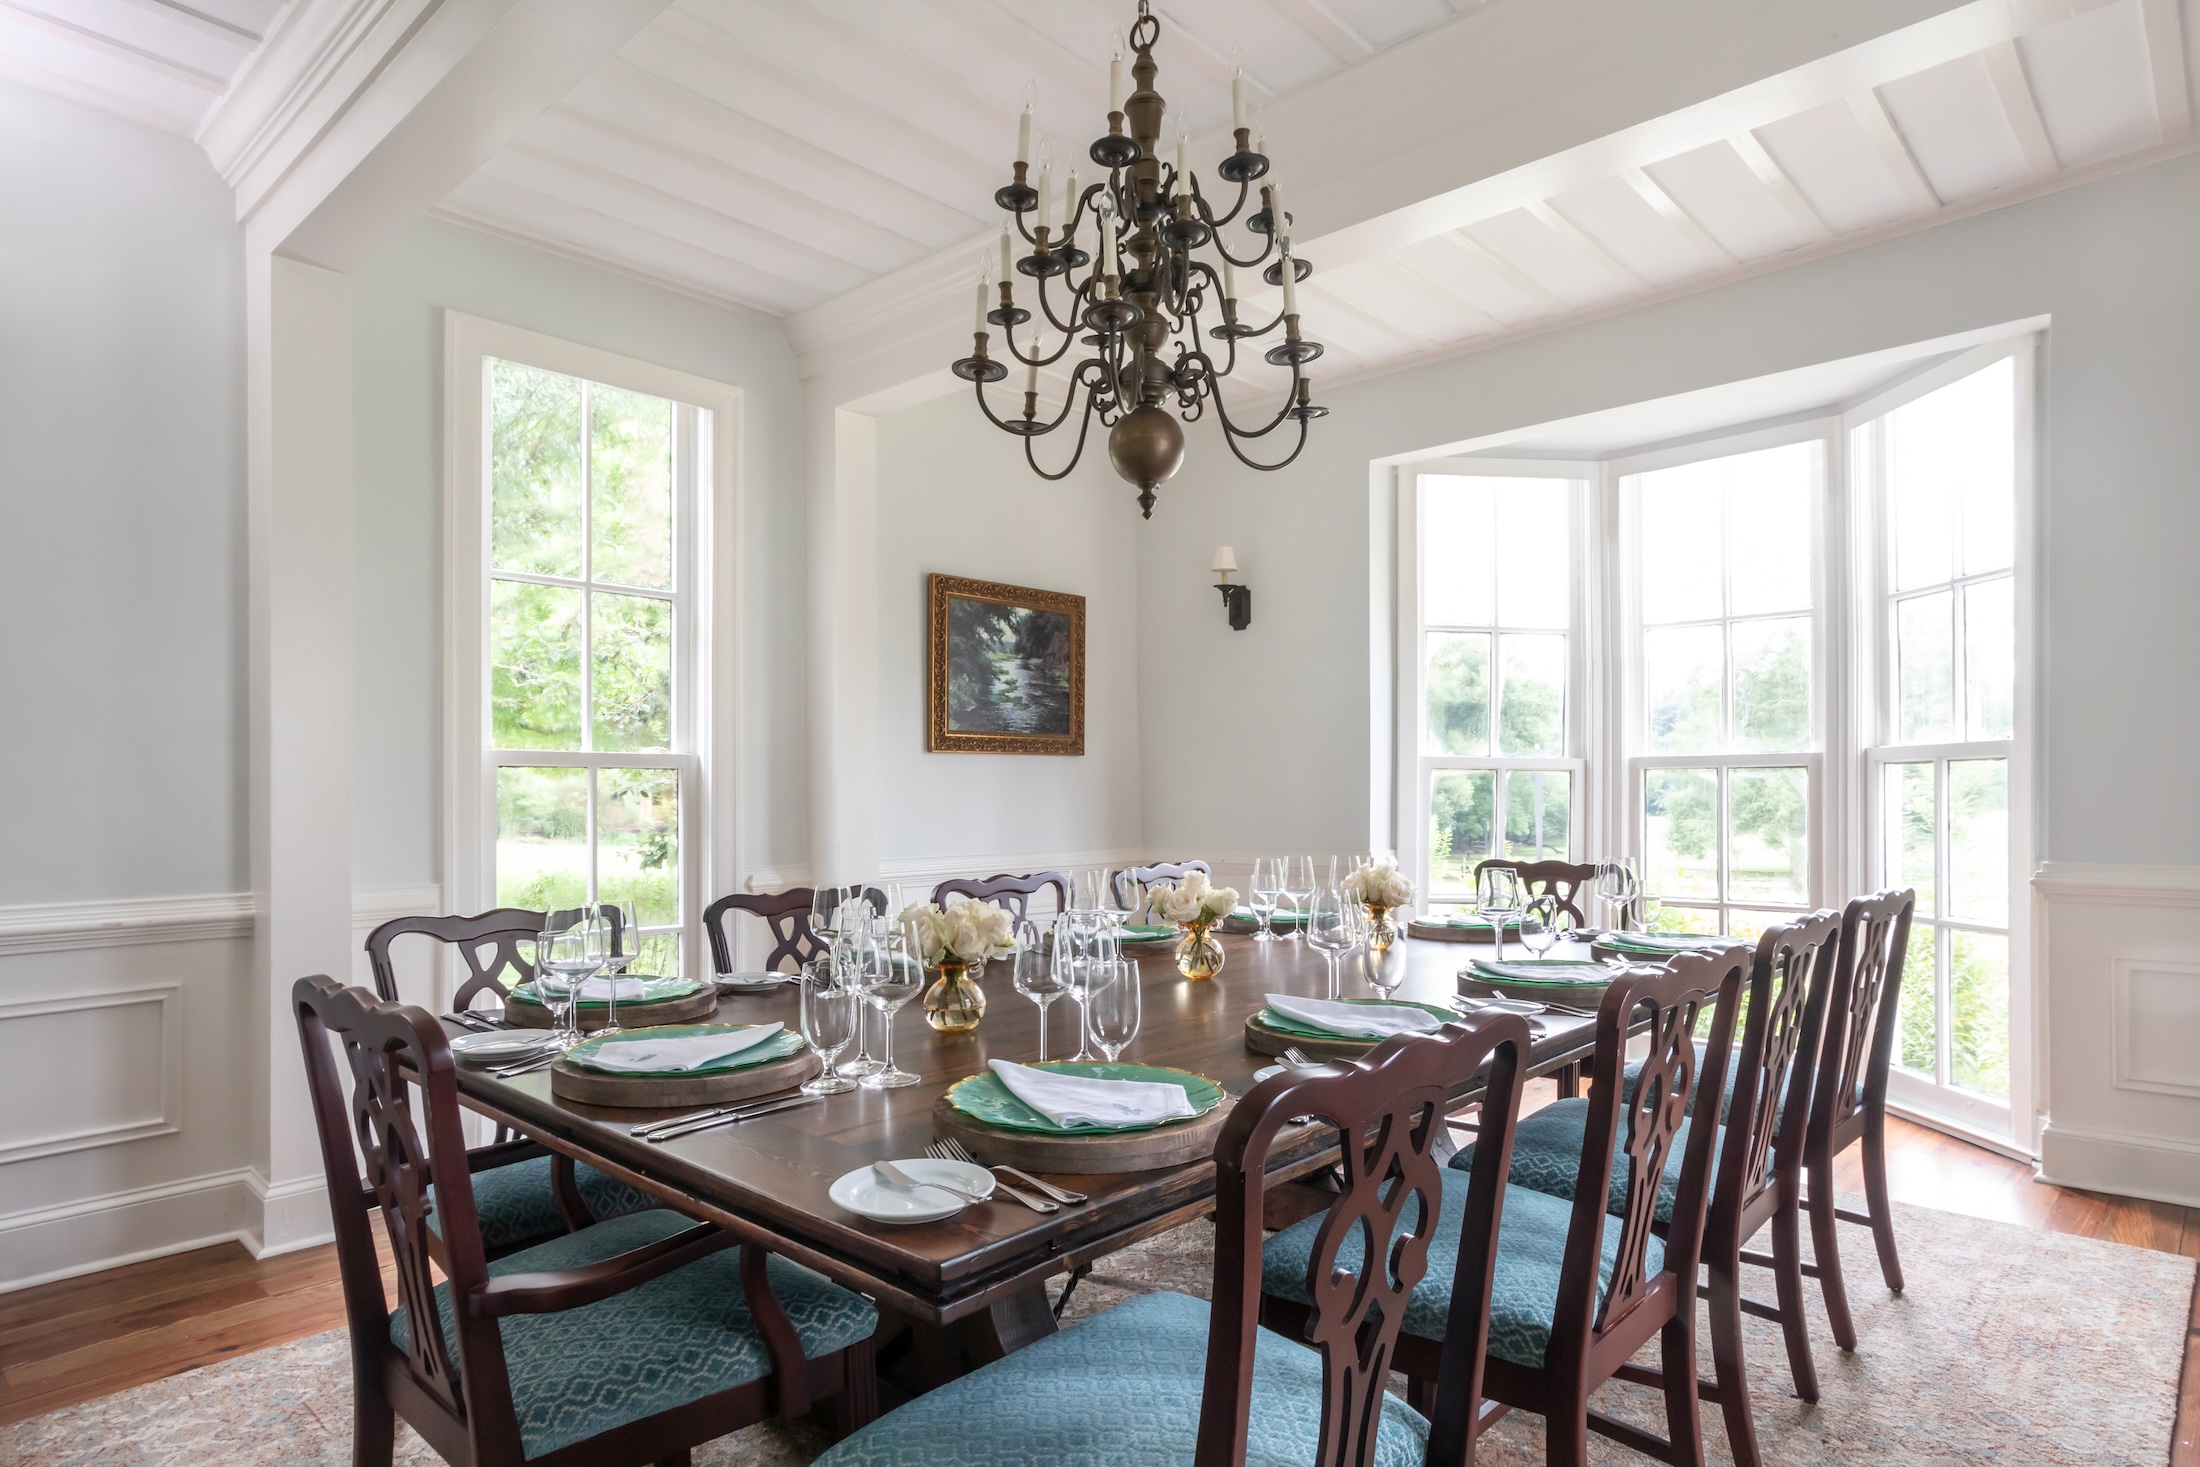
1978 1012
1908 826
1990 658
1923 466
1682 550
542 838
1925 652
630 476
1768 856
1459 546
1532 696
1978 840
1682 672
1456 686
534 470
1772 684
1768 535
633 665
1680 810
535 666
660 955
1915 1042
1749 924
638 842
1460 805
1538 805
1662 918
1982 412
1534 560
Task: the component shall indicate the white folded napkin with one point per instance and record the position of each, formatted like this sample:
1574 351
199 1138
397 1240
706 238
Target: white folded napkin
1356 1020
684 1052
602 986
1073 1100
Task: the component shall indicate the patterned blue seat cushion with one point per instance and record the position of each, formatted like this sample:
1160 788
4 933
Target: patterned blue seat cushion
1121 1389
515 1205
1633 1075
1531 1246
678 1338
1547 1157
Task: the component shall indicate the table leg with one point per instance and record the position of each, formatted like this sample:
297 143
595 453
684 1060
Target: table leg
920 1357
1568 1078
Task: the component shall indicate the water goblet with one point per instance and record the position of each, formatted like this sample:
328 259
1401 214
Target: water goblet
1035 975
1498 899
563 962
830 1014
1112 1005
1539 925
622 948
888 979
1298 882
1329 932
1076 939
1265 888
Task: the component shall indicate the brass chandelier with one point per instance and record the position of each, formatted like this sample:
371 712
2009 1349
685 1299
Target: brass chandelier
1139 305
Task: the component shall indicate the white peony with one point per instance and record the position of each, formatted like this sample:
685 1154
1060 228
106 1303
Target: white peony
968 931
1194 899
1382 885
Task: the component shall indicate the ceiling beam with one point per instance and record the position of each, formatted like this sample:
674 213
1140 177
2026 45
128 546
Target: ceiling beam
2165 37
1894 152
112 49
1587 243
1413 279
1653 193
1334 36
1496 264
2005 69
1751 150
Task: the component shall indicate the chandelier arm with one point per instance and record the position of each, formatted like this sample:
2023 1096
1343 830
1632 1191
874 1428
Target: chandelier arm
1083 428
1232 430
1206 211
1069 338
1286 462
1077 293
1257 260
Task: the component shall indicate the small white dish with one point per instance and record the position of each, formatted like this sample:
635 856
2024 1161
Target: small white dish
866 1194
752 982
504 1044
1502 1005
1266 1070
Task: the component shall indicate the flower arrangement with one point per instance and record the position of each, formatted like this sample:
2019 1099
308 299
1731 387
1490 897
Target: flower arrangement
1194 901
1382 885
968 931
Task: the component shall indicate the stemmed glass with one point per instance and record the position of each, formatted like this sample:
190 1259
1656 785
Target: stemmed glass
1329 931
1112 1004
1077 939
1498 899
564 958
828 911
622 949
889 974
1265 887
1037 977
830 1015
1089 891
1540 925
1298 882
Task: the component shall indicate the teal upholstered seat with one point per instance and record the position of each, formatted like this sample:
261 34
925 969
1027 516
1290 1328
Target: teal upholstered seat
1531 1246
1547 1157
1726 1101
670 1341
516 1207
1120 1389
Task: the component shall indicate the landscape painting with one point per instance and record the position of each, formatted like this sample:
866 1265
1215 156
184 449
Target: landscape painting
1007 669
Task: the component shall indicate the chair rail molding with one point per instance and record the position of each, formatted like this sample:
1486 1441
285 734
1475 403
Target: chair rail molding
52 927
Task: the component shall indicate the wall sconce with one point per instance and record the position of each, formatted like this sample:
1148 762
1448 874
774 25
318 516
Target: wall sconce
1237 600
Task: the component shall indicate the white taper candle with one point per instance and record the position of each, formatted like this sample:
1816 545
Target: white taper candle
1290 281
1237 99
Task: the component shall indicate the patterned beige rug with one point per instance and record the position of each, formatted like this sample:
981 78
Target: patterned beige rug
2010 1347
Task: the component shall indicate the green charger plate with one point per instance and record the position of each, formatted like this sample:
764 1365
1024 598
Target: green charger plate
1663 944
1250 922
654 990
1544 973
1145 932
1283 1024
783 1045
985 1098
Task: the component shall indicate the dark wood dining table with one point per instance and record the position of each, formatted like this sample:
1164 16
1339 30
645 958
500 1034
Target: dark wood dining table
973 1286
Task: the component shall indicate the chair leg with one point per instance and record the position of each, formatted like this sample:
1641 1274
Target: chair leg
1877 1202
373 1429
1683 1414
1421 1394
1725 1308
1825 1243
858 1403
1787 1277
1566 1437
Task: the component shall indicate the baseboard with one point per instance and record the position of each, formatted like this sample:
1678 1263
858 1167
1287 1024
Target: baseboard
290 1215
45 1244
2156 1168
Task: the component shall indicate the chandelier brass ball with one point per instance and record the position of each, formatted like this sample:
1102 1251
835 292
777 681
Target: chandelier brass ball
1146 447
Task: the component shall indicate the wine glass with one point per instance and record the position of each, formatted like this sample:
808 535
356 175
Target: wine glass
1329 931
1630 872
1265 887
622 948
1498 899
1385 970
563 962
888 979
1037 976
1076 938
1112 1005
1298 882
830 1015
1090 892
1540 925
826 916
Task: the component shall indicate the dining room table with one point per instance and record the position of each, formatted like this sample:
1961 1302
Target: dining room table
962 1291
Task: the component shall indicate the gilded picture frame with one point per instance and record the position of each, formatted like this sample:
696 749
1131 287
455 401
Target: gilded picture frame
1006 669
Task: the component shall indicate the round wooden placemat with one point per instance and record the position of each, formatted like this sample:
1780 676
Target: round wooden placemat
1445 932
642 1092
1261 1038
1174 1144
699 1005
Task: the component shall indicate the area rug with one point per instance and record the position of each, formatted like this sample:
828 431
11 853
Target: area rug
2010 1347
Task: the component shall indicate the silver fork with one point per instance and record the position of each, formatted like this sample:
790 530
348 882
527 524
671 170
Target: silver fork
938 1151
1296 1058
954 1150
528 1066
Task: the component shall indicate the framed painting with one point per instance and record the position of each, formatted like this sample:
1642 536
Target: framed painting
1007 669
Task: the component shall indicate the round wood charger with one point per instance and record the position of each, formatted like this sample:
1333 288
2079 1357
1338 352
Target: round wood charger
1444 932
696 1007
644 1092
1174 1144
1261 1039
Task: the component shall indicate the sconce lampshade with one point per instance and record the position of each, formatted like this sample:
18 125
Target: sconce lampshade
1225 560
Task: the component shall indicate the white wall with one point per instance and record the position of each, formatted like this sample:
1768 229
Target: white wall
954 496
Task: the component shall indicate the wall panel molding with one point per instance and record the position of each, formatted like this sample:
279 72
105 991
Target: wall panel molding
53 927
2150 886
165 1120
2157 1020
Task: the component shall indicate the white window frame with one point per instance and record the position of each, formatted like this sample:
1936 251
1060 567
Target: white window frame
2014 1126
1416 766
707 637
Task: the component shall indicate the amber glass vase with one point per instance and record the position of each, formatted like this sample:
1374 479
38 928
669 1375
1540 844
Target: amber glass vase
955 1003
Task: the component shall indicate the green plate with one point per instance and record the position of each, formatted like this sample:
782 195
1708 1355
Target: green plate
1283 1024
1544 973
1242 920
1464 924
654 990
985 1098
783 1045
1662 944
1145 932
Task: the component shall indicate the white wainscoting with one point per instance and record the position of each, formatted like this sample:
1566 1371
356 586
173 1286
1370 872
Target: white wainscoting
2121 952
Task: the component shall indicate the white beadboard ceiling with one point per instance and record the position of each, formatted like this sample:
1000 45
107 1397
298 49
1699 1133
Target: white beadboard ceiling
166 62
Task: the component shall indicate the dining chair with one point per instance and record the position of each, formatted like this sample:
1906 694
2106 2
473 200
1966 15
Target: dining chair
787 914
1128 886
1560 880
1850 1103
522 1193
628 1341
1574 1298
1012 894
1765 1105
1164 1377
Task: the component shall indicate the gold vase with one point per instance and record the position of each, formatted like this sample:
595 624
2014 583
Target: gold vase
1198 955
1381 931
955 1003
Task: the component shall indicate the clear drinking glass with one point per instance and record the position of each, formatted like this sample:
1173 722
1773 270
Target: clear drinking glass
1112 1005
827 905
889 978
830 1013
1037 976
563 963
1298 883
1329 931
1076 939
622 948
1265 887
1498 899
1089 890
1385 970
1540 925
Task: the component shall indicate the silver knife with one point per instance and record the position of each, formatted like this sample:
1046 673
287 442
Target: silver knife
690 1127
674 1123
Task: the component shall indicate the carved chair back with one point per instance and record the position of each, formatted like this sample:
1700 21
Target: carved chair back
1563 880
787 914
1860 1016
496 946
1388 1110
1790 980
1665 1005
1128 886
1012 894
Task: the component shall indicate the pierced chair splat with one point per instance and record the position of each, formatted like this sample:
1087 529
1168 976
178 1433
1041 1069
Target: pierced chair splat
787 915
1011 894
1563 881
1128 886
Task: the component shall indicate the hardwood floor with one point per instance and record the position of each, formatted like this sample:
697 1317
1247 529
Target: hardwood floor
86 1337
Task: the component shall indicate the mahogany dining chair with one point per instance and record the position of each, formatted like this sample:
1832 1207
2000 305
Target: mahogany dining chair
1128 886
786 914
1012 894
1563 881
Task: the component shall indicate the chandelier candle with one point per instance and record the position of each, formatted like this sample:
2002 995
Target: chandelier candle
1143 303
